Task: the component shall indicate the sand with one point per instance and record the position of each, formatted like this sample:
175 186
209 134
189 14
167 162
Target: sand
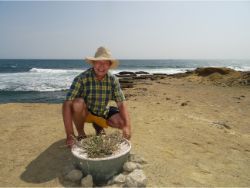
191 134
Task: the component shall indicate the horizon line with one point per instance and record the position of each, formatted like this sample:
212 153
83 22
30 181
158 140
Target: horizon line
122 59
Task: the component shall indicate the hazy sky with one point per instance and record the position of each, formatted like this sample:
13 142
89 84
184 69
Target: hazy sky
155 30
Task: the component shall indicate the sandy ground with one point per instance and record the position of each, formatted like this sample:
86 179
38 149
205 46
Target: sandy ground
191 134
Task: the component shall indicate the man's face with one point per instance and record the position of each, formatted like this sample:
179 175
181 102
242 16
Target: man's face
101 68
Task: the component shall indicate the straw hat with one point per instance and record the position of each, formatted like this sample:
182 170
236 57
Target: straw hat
103 54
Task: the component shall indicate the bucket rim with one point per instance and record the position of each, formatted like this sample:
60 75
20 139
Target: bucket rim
75 150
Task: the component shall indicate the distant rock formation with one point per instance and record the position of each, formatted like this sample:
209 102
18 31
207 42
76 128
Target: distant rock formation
215 75
218 76
210 70
128 79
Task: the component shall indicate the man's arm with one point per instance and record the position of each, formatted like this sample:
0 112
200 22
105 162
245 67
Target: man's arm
122 106
67 119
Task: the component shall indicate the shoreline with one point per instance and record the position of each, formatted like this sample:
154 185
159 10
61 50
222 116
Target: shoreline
225 77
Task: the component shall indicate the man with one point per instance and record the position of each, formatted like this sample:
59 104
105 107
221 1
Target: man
88 97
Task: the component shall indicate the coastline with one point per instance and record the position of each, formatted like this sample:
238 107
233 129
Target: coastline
193 131
223 76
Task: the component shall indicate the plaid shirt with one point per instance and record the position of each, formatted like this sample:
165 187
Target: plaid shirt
95 93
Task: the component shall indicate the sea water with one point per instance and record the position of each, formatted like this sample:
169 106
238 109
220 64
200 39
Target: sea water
48 80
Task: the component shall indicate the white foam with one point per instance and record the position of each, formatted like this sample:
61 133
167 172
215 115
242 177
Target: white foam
55 71
240 68
38 80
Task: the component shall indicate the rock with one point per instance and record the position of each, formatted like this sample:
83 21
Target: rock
159 74
221 124
210 70
143 77
127 73
129 166
179 75
87 181
127 85
125 80
136 179
74 175
215 76
141 72
110 182
119 178
184 104
137 159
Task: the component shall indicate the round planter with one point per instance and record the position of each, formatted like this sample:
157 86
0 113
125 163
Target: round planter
102 169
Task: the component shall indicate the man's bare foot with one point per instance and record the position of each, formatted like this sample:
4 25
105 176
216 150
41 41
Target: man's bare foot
70 141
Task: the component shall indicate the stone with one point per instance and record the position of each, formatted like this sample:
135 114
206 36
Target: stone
127 85
110 182
129 166
87 181
141 72
210 70
221 124
138 166
137 159
184 104
127 73
136 178
74 175
119 178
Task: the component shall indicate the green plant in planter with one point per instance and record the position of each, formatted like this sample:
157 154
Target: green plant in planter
101 146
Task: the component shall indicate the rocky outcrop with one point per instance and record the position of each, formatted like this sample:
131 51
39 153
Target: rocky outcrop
214 75
210 70
217 76
129 79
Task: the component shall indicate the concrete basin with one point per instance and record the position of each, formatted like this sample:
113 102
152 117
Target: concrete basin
102 169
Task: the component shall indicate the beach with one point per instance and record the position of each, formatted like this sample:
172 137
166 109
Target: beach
191 133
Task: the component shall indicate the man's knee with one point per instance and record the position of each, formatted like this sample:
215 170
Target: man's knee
78 105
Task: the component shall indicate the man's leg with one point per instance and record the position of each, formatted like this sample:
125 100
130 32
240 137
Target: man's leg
80 112
115 120
98 130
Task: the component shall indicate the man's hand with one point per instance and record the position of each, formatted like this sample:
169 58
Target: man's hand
126 128
126 132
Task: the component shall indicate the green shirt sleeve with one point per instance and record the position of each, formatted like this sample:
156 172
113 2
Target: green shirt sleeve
76 89
117 94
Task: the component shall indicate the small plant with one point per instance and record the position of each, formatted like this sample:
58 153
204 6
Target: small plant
101 146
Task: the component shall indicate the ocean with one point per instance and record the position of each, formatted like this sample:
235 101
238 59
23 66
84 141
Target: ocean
47 81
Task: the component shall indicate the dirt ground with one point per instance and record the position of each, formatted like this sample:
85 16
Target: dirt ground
191 134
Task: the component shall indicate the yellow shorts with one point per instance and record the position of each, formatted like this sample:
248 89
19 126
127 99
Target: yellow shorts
97 120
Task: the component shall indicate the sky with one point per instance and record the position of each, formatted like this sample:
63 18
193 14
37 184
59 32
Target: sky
131 30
